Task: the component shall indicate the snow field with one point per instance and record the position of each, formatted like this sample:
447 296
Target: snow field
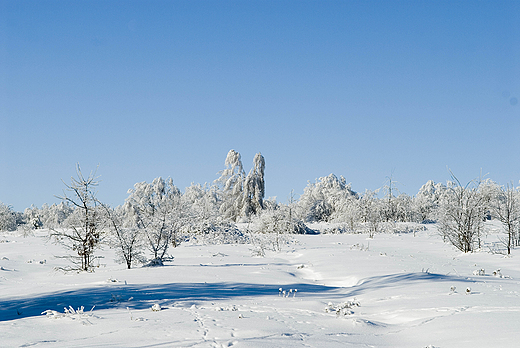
222 296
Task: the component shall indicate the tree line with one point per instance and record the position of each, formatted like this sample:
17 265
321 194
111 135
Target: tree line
156 216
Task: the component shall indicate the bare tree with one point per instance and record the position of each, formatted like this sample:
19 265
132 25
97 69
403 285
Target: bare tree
83 228
389 208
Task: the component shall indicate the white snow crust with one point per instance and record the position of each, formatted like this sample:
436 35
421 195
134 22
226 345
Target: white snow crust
327 290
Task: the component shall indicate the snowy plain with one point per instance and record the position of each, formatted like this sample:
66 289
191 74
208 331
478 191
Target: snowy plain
341 290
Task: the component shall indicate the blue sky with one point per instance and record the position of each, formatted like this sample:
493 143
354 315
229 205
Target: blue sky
363 89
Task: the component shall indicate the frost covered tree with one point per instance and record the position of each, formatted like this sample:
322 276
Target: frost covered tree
403 208
321 201
254 188
33 217
349 212
125 238
232 181
202 201
274 222
395 206
83 229
427 200
461 213
7 218
203 222
56 214
370 211
156 209
47 216
505 207
203 217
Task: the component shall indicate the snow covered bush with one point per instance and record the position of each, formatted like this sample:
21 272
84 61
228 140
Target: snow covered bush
71 313
273 223
271 230
287 293
479 272
342 309
217 232
404 227
278 221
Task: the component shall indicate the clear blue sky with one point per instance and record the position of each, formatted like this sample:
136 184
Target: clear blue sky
361 89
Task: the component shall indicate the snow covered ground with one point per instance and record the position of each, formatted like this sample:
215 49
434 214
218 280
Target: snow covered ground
395 290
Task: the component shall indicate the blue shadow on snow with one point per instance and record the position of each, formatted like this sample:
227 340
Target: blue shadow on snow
140 296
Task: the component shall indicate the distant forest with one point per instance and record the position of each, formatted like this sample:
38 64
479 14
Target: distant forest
157 216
